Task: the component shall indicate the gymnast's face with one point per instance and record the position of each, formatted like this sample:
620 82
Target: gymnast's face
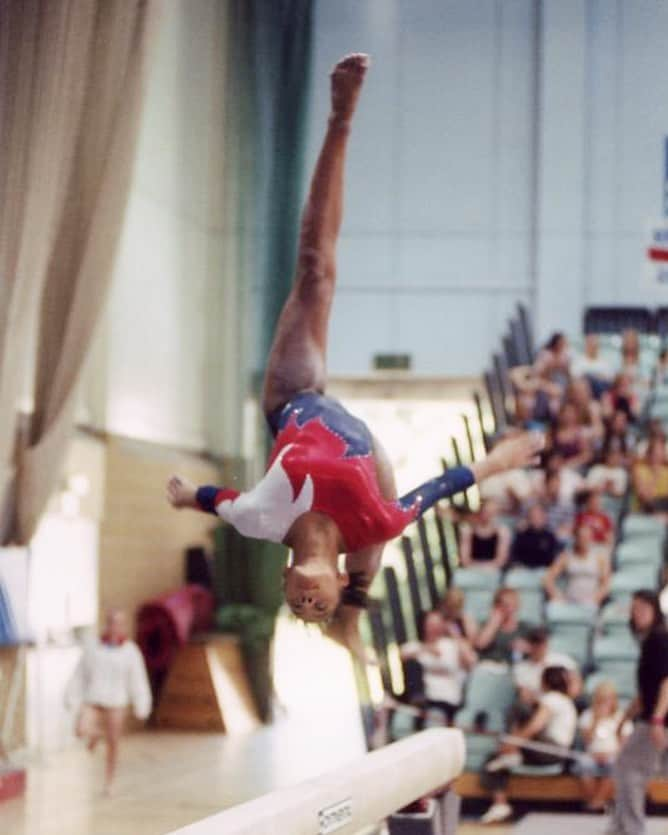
313 591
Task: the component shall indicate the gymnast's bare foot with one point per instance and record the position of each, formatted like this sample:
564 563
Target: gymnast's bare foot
181 493
347 78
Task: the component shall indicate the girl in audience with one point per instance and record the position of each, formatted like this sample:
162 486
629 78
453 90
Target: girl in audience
570 439
622 397
610 475
485 542
499 637
649 477
585 569
456 620
554 721
591 514
660 373
553 360
598 726
592 366
445 658
590 414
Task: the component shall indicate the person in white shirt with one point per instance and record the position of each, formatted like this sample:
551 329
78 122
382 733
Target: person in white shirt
445 657
598 726
554 721
528 672
110 677
591 365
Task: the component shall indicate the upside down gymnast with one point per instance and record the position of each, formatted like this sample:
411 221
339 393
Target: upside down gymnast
329 487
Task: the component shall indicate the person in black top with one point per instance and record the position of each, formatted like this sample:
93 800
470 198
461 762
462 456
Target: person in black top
645 753
535 545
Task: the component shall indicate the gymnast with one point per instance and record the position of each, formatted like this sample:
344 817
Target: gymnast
329 487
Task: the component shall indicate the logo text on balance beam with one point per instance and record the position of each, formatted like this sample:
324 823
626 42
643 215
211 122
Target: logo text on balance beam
335 816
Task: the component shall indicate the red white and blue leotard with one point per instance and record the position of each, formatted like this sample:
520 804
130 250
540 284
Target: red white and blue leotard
322 460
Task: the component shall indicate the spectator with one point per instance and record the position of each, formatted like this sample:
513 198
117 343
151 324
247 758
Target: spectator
621 397
570 480
454 616
560 510
586 571
610 475
553 360
646 751
660 373
598 727
591 514
445 661
535 545
553 721
527 673
570 438
590 413
498 638
486 542
592 366
110 676
650 479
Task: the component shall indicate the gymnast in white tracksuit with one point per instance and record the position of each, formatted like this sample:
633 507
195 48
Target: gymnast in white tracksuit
110 677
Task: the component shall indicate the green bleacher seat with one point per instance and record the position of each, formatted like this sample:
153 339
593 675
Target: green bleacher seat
539 770
614 617
572 640
477 578
640 525
630 578
478 603
524 578
489 689
561 612
532 607
478 748
642 551
607 648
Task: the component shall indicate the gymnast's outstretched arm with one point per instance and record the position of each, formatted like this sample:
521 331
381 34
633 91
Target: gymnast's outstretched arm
510 454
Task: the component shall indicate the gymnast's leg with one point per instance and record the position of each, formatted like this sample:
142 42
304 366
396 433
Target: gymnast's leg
297 360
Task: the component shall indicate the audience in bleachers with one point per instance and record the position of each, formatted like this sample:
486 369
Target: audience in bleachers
484 541
585 570
604 454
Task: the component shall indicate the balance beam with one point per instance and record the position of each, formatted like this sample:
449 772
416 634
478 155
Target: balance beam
358 794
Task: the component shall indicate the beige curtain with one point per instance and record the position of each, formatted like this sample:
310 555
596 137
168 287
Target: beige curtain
71 81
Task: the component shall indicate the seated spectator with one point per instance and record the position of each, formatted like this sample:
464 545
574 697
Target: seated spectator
570 480
535 545
585 569
528 672
660 373
610 475
591 514
618 436
592 366
590 414
631 366
455 618
553 360
485 542
560 511
445 661
621 397
537 399
553 721
649 477
598 726
497 638
570 439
